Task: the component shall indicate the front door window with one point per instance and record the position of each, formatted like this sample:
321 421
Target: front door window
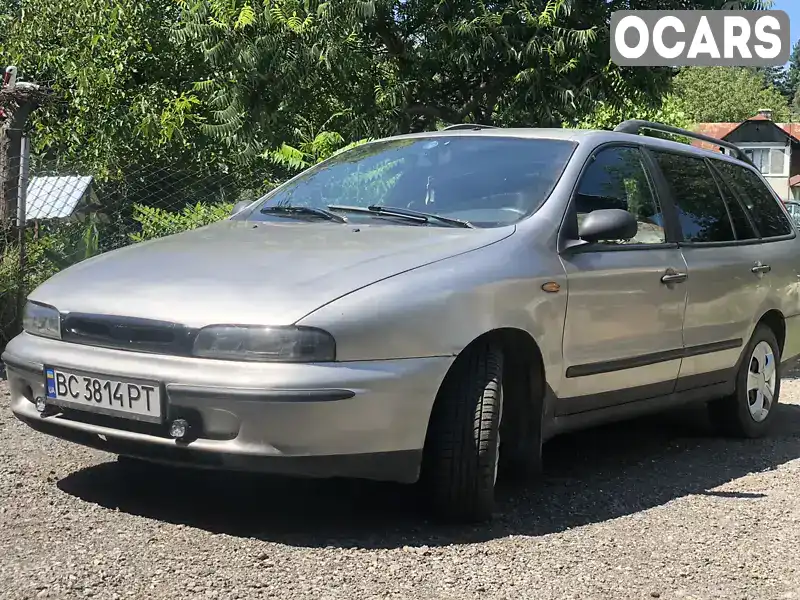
616 178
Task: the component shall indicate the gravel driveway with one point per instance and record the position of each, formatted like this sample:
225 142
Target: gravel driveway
652 509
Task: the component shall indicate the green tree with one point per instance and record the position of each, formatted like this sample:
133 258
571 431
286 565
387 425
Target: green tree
793 78
371 68
124 107
726 94
777 77
668 111
122 84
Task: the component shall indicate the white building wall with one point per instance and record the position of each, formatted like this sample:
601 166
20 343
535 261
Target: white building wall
779 182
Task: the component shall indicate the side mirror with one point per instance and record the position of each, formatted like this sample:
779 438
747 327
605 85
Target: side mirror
239 206
608 224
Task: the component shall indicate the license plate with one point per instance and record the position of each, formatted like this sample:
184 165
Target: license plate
130 399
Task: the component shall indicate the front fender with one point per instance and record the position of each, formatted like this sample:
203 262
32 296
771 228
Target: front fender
438 309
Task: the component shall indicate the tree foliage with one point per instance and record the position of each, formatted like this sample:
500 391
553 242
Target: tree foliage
123 107
269 86
122 83
156 222
726 94
792 79
370 68
607 116
263 84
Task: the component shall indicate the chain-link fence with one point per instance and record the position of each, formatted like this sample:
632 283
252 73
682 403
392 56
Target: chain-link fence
66 215
11 251
9 284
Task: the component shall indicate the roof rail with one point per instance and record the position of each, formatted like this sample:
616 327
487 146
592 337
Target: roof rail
468 126
636 125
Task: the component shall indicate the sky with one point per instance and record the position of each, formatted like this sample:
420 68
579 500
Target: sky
792 8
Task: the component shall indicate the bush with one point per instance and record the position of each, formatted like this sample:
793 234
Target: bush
156 222
56 245
9 283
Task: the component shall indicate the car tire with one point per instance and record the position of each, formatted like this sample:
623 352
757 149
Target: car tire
521 428
462 450
748 412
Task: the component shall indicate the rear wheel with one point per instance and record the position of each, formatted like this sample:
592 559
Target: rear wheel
463 446
749 411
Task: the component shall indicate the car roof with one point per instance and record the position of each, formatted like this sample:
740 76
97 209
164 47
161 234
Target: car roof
593 137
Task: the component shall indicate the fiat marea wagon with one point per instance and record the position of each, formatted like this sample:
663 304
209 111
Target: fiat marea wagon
430 309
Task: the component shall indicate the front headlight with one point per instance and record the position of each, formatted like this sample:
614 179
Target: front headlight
265 344
43 320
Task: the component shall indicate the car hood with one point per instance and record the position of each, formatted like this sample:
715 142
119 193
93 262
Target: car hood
247 273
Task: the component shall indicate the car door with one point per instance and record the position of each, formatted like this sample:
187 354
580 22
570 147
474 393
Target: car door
776 264
722 252
626 298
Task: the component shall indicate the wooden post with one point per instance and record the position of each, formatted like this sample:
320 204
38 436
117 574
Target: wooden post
5 144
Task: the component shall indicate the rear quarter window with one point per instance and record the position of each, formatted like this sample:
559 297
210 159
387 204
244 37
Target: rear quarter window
763 207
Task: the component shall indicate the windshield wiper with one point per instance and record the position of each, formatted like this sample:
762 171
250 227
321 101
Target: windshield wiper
304 210
407 213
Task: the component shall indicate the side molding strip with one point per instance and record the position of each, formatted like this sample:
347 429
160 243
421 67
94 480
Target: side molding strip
650 359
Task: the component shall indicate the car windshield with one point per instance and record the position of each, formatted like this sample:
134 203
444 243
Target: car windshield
485 181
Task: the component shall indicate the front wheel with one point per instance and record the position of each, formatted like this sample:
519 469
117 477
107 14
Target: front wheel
463 445
749 411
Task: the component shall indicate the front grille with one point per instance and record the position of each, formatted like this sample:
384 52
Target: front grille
127 333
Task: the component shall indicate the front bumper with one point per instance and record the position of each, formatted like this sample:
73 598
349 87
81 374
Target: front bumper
363 419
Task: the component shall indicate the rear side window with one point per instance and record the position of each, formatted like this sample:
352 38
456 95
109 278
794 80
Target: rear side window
762 205
744 230
742 224
701 210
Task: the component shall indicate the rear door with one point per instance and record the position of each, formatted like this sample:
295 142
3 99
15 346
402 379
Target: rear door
623 330
721 249
776 266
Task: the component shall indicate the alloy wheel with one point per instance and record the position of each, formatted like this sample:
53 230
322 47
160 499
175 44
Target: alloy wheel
761 379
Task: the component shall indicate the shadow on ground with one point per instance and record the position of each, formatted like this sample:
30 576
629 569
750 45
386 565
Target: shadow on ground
590 477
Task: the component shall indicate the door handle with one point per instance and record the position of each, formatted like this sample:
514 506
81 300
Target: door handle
759 268
672 276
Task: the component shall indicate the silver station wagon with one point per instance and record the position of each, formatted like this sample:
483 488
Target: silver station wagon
430 309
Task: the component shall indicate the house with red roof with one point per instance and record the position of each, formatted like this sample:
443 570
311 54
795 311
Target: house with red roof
773 147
